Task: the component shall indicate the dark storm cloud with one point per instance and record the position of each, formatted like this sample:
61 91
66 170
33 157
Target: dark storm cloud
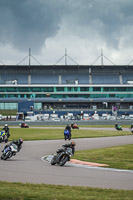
28 23
106 18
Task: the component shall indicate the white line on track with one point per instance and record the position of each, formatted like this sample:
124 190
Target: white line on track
47 158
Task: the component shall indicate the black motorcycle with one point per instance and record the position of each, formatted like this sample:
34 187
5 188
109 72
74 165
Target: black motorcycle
64 154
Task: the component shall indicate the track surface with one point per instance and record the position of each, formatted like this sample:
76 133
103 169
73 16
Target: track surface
82 128
27 165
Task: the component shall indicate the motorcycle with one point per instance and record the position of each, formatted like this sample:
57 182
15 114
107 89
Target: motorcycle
119 128
74 126
9 151
3 137
67 134
24 125
63 155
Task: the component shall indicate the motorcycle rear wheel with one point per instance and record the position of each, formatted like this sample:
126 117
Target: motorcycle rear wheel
65 137
6 140
53 162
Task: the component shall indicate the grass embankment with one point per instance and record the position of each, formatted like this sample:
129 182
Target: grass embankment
52 134
119 157
20 191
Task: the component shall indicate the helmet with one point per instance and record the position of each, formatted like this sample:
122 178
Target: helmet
20 140
6 124
73 144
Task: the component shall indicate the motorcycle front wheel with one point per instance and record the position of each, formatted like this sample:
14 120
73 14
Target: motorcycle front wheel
63 160
8 155
2 157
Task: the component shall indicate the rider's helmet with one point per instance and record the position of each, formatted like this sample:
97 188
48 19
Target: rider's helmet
20 141
72 144
6 125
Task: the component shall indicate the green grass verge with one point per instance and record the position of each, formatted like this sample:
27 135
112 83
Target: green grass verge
52 134
20 191
119 157
8 112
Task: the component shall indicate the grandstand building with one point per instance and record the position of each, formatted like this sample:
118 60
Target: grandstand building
67 87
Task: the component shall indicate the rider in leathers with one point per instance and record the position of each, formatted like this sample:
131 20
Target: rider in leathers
68 128
6 129
17 142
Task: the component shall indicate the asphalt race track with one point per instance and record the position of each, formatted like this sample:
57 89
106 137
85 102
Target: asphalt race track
27 165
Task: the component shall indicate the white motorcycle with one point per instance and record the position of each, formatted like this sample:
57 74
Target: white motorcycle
9 151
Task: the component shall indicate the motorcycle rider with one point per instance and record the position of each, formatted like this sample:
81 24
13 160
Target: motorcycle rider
68 127
72 125
17 142
6 129
63 154
118 127
72 145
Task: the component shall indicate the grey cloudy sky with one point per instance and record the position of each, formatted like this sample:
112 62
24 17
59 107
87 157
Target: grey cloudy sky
83 27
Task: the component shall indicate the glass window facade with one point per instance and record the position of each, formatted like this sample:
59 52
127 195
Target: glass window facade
37 106
66 92
60 89
8 106
84 89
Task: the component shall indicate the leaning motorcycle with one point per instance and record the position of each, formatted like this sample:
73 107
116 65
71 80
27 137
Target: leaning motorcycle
64 154
74 126
9 151
3 137
119 128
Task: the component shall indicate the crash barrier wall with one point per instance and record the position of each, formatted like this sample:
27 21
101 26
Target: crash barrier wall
60 123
